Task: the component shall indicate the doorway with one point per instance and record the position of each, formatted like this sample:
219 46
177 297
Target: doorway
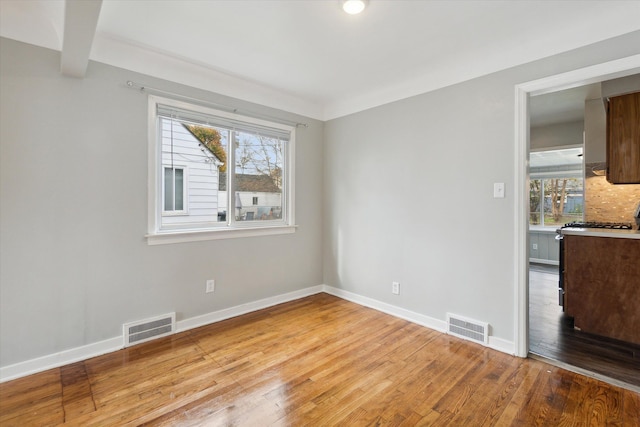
581 77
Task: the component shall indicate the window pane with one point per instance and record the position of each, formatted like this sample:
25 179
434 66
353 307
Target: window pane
534 201
563 200
168 189
179 190
259 162
195 194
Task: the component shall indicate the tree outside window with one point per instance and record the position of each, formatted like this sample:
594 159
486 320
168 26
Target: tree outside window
555 201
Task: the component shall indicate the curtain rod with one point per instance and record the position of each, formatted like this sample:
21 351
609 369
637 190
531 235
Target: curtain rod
143 88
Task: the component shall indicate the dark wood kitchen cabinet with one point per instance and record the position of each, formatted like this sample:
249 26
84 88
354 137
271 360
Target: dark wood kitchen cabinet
602 285
623 139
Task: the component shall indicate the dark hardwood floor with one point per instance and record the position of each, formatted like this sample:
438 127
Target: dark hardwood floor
316 361
552 336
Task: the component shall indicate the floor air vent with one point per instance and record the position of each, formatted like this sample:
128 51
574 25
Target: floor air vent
148 329
467 328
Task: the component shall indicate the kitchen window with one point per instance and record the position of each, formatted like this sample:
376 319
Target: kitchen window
556 187
207 170
556 201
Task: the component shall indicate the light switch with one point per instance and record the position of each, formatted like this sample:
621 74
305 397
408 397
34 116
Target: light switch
498 190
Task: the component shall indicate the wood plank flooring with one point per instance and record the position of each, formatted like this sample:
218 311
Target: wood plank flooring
316 361
551 335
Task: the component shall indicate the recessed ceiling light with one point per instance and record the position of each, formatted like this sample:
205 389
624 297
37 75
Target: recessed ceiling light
353 7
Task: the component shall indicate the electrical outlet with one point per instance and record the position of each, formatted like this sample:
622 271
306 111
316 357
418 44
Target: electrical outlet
395 288
211 286
535 246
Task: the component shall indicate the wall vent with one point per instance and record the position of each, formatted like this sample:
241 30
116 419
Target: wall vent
149 329
467 328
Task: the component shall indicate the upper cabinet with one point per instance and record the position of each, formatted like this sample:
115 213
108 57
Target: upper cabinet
623 139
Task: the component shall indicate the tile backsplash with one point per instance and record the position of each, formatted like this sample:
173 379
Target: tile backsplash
607 202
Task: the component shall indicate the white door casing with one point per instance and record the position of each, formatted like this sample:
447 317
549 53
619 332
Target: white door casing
583 76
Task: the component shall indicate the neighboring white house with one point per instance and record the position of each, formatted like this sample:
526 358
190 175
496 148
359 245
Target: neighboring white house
194 191
257 197
190 177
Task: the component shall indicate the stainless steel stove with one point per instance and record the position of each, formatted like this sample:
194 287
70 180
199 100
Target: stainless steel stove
595 224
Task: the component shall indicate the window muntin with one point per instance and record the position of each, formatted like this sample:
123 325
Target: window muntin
184 136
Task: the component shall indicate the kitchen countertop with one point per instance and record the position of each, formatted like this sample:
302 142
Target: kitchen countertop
602 232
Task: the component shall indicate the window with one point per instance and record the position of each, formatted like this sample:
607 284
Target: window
556 201
173 190
209 169
556 193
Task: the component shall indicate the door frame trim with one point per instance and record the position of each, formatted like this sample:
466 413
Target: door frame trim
593 74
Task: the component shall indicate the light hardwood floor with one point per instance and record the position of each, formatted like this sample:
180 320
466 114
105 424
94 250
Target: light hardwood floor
317 361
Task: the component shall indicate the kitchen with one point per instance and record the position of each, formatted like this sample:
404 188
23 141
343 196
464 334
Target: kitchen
585 289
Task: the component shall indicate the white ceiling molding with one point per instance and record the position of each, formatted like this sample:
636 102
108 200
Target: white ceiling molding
150 61
80 23
279 53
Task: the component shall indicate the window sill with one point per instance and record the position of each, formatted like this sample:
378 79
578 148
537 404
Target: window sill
175 213
544 229
182 236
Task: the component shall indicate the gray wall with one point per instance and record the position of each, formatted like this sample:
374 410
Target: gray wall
409 186
400 192
556 135
74 261
543 247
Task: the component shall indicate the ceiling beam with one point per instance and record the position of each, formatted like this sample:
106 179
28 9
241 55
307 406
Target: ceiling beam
80 23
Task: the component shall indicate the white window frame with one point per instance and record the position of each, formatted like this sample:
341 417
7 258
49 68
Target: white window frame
559 174
231 229
543 178
185 191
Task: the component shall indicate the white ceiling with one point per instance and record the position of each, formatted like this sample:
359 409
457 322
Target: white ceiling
311 58
563 106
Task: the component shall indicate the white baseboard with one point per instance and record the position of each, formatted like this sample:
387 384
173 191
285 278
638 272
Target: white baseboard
77 354
227 313
22 369
411 316
544 261
495 343
502 345
55 360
